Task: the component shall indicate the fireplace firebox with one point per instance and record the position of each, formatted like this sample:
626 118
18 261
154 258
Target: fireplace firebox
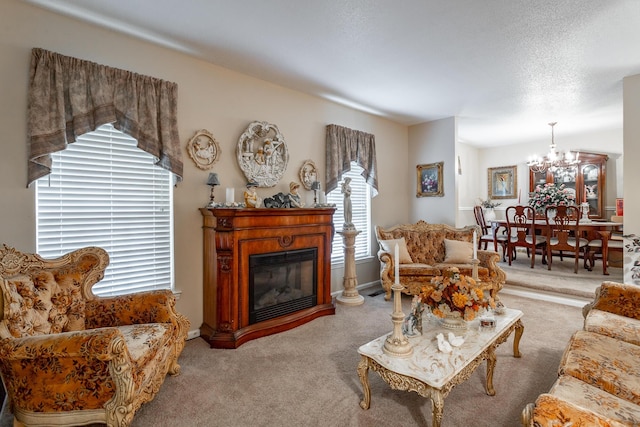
265 271
281 283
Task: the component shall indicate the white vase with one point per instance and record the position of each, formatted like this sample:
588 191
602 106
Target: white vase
489 214
453 321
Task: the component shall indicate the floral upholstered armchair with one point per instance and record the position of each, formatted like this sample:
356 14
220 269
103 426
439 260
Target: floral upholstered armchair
68 357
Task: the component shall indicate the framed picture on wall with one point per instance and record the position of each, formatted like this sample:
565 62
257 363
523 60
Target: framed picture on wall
430 180
503 182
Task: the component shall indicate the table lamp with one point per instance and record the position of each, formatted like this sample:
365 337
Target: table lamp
212 181
315 186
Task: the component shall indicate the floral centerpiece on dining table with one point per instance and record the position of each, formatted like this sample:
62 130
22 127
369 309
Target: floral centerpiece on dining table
550 195
454 294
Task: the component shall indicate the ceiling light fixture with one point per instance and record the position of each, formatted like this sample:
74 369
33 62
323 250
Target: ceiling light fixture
554 159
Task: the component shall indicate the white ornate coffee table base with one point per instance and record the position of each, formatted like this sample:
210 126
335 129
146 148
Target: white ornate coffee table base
433 374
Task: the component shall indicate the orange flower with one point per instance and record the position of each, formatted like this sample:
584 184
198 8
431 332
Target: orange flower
459 299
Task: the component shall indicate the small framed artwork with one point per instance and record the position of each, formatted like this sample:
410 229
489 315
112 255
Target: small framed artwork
430 182
503 182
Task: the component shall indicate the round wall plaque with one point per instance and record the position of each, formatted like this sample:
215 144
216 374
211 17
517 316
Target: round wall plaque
262 154
203 149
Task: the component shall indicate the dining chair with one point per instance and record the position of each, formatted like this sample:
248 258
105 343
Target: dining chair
521 232
487 233
593 250
563 228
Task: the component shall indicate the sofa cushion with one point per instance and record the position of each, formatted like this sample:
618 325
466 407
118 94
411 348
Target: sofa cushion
613 325
40 303
548 406
607 405
390 247
604 362
457 252
418 270
623 299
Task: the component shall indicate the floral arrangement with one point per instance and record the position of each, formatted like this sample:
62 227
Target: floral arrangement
455 293
488 204
550 195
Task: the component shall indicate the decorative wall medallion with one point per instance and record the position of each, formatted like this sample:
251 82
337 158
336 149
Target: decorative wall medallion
308 174
203 149
262 154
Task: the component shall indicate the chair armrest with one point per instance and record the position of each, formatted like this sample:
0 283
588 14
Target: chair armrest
66 371
138 308
616 298
94 343
489 260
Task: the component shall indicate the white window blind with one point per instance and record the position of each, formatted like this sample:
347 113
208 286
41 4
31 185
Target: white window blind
361 215
104 191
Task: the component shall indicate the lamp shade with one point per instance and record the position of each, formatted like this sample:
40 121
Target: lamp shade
213 179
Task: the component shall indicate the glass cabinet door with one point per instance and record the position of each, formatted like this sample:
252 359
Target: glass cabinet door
566 177
591 189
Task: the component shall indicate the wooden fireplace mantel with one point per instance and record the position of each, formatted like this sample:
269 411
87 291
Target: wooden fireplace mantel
230 236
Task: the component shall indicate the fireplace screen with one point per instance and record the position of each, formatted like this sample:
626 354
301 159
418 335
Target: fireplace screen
281 283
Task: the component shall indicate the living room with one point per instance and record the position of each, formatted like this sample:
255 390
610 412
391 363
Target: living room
225 102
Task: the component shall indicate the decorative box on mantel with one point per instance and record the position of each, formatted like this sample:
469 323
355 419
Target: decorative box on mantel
265 271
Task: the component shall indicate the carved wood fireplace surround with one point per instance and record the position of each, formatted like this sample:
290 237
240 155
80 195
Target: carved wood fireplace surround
232 237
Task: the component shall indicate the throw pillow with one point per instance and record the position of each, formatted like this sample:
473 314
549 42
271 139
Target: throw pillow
457 252
403 253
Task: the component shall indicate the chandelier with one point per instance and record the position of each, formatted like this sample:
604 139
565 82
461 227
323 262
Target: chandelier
554 159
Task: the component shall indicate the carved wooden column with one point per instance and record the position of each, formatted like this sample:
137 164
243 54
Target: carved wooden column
350 295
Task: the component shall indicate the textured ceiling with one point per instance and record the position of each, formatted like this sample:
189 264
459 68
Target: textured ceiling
505 68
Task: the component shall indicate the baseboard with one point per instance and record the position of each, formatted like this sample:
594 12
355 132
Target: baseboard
193 334
360 287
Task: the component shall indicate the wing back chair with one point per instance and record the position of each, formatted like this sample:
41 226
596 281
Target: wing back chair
68 357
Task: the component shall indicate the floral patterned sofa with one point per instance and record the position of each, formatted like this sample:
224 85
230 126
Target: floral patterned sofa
68 357
599 375
426 250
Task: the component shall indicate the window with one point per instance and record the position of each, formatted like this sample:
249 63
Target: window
361 215
104 191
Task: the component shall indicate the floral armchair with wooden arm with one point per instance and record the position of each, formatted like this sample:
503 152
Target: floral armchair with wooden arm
68 357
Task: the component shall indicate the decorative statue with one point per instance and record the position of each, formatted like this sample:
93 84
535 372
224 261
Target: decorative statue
346 190
294 197
251 198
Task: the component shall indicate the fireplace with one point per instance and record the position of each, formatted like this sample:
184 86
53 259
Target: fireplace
281 283
265 271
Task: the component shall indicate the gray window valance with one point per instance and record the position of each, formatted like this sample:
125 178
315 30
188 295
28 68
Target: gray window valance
344 146
69 97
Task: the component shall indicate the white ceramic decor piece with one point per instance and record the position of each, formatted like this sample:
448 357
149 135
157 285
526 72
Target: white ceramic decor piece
308 174
262 154
203 149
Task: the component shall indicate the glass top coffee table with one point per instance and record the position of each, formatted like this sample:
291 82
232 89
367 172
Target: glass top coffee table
432 373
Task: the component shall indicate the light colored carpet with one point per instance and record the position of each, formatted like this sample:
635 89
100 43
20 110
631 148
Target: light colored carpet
307 376
561 279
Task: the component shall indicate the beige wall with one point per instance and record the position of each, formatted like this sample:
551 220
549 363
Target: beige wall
434 142
210 97
631 86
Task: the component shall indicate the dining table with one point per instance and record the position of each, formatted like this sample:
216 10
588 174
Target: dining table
602 229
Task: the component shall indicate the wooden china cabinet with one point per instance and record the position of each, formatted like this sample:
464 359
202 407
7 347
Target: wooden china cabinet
586 179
